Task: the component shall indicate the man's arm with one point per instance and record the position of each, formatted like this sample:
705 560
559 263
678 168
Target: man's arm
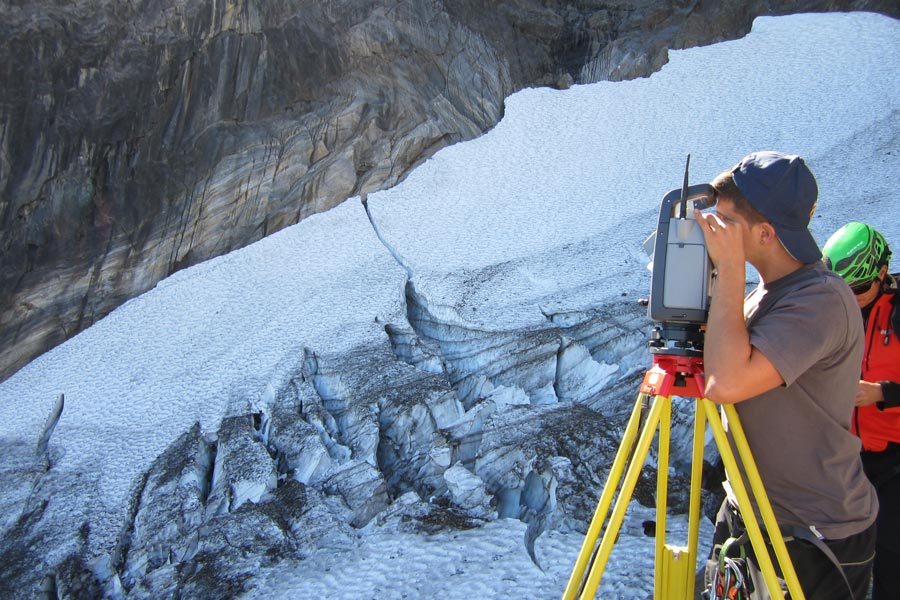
735 370
884 394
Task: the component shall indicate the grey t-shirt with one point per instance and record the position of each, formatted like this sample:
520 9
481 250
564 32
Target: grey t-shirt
809 327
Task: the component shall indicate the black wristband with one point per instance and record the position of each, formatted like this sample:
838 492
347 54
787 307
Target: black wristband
890 391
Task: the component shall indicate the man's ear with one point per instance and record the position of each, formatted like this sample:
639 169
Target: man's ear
766 233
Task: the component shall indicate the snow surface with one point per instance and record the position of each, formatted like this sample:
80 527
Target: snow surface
546 210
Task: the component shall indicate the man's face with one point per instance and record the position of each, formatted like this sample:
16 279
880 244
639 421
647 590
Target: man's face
869 296
725 210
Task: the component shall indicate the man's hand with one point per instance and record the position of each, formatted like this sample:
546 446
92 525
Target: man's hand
724 240
868 393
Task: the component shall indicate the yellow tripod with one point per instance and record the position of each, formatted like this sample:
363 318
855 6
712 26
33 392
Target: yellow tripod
681 373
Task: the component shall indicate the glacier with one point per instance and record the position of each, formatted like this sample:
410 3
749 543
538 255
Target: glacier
419 393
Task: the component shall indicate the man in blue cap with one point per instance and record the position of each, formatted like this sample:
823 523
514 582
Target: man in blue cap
788 356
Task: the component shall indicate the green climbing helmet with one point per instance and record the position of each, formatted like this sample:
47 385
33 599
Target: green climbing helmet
856 252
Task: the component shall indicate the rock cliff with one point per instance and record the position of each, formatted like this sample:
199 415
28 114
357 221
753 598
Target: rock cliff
139 137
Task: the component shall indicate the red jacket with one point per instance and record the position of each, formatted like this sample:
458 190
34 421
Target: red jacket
881 361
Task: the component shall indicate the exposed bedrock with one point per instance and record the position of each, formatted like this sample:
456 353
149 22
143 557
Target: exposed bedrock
138 138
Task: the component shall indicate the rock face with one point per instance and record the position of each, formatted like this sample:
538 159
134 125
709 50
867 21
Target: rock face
138 138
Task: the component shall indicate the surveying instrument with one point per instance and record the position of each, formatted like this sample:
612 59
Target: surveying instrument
679 304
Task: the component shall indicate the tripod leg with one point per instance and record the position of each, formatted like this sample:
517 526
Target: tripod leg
602 510
696 487
618 513
762 501
676 565
661 580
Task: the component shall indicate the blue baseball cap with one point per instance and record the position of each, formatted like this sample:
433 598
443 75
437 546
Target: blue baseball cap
783 189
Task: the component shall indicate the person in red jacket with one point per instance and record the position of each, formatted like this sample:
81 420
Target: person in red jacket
861 256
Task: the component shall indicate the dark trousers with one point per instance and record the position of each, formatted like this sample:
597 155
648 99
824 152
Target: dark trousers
883 469
819 577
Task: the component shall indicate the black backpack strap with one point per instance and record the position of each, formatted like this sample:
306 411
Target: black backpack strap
800 533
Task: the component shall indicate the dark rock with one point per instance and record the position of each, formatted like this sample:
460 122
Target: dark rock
140 138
